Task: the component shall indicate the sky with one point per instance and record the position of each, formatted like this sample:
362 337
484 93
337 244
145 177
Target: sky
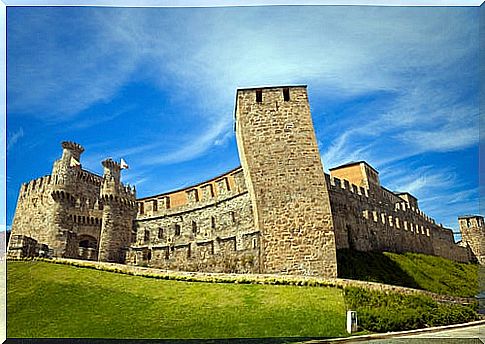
395 86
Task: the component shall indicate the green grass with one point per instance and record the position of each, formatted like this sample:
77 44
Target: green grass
50 300
435 274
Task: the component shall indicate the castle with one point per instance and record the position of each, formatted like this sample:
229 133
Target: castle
277 213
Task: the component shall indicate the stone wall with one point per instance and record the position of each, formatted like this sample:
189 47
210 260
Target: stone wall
473 233
64 209
366 221
209 228
284 174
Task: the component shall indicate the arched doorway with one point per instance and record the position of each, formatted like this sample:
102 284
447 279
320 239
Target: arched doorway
88 247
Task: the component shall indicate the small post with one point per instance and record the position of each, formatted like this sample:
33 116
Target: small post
351 321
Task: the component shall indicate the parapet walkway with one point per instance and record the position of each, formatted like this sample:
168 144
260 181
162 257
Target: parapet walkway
252 278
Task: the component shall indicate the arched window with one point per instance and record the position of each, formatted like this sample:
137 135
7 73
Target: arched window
160 233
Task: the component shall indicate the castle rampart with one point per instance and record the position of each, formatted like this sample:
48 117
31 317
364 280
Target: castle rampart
277 213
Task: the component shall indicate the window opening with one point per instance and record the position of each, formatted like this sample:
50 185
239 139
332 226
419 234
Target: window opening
286 94
259 96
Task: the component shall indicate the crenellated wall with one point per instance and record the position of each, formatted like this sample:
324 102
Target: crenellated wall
64 210
207 227
380 221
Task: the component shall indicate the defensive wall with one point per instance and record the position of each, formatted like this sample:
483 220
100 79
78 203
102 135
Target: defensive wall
277 213
206 227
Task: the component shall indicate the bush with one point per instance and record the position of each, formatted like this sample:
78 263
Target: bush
380 311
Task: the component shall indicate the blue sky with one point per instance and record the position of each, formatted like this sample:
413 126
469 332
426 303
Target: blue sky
397 87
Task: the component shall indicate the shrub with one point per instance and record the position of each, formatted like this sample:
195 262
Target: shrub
380 311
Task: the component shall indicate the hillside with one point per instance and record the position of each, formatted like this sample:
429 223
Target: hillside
54 300
50 300
412 270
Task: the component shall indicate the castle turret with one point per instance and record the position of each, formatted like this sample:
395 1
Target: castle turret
64 185
472 229
70 161
119 211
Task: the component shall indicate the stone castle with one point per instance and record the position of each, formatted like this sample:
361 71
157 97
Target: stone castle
277 213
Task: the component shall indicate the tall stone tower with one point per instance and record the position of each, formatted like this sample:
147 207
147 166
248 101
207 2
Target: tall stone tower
119 211
283 170
472 230
64 188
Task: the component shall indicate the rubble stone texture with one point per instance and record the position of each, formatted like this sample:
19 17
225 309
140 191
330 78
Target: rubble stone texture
278 213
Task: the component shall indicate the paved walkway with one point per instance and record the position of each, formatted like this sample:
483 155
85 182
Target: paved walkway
470 333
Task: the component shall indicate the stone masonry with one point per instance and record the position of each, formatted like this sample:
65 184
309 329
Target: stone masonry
278 213
282 166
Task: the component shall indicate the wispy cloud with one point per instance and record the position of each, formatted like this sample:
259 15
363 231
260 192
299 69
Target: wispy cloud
13 138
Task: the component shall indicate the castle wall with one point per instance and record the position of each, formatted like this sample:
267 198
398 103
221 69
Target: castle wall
214 232
284 173
376 222
473 234
57 209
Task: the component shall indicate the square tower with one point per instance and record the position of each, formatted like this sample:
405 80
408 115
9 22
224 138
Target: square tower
472 228
284 175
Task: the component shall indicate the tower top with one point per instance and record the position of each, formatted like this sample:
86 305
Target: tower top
72 146
111 164
253 88
470 216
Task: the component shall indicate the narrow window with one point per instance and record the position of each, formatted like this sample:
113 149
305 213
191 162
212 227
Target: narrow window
177 229
259 96
155 205
140 207
168 202
255 243
233 217
160 232
286 94
196 193
213 222
149 255
194 227
147 235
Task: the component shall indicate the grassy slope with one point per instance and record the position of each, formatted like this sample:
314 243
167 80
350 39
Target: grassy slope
48 300
413 270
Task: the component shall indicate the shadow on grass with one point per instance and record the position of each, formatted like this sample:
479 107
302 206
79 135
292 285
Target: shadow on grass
372 267
274 340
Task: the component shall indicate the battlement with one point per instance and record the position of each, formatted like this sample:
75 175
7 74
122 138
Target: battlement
35 185
111 164
271 95
346 186
213 190
72 146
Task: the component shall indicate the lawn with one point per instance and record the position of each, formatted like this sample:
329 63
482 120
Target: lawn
435 274
50 300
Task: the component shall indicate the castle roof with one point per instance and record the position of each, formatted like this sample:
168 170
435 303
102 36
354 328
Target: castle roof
352 163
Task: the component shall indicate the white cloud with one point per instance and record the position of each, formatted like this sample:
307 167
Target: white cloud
14 138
